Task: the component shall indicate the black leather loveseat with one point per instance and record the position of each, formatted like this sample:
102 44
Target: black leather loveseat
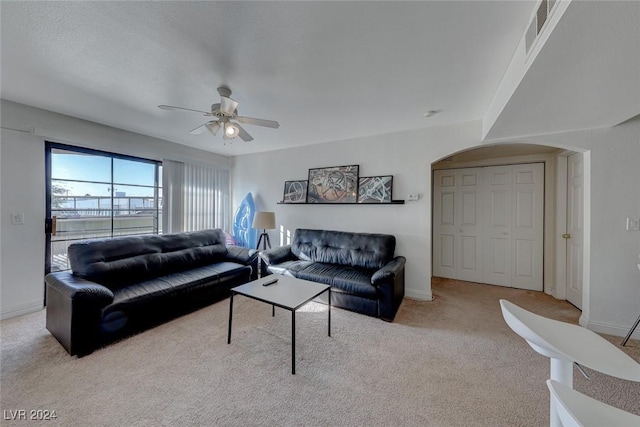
120 285
360 267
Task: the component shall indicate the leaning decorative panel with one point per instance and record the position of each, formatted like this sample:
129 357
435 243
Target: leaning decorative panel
375 189
337 184
295 192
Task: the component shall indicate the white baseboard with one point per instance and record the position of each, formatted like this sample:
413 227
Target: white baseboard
418 294
17 310
615 330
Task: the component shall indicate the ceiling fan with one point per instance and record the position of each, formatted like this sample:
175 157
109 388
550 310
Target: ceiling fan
227 113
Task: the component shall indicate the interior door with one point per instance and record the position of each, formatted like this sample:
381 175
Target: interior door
457 231
444 223
489 225
470 225
497 253
528 226
575 226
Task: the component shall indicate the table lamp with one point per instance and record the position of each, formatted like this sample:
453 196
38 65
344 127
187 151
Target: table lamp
265 221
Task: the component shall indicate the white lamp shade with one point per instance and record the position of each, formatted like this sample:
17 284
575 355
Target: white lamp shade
264 220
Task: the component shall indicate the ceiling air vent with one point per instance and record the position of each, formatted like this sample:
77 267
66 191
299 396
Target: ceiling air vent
537 23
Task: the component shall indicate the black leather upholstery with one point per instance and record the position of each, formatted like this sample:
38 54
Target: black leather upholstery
343 248
360 267
120 284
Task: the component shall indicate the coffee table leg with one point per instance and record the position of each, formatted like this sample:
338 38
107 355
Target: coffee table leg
230 317
293 342
329 312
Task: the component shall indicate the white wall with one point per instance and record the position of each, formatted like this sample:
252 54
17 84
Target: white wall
613 293
23 189
22 272
407 156
614 289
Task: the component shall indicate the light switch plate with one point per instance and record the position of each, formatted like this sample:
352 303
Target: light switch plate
412 196
633 224
17 218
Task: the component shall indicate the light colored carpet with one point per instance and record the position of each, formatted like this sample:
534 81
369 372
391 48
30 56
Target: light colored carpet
449 362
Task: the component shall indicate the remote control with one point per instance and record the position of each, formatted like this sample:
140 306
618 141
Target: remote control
270 282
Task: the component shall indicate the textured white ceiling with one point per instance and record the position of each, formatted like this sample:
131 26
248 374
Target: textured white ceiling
325 70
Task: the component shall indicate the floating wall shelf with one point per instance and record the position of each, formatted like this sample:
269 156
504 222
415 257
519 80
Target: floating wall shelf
393 202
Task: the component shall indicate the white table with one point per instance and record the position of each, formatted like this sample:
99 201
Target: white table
288 293
565 344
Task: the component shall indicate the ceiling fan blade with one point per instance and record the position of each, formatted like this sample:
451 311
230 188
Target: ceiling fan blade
201 128
259 122
198 130
243 134
227 105
171 107
213 126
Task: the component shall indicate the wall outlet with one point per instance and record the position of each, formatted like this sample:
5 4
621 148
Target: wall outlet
17 218
413 196
633 224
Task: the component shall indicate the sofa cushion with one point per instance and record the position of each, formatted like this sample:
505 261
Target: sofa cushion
122 261
342 279
289 268
363 250
125 298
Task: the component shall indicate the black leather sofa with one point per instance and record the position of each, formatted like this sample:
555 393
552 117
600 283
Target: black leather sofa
360 267
125 284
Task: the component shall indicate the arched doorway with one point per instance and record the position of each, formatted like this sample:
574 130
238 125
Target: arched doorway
564 213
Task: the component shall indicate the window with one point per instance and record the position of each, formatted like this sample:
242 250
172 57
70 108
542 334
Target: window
95 194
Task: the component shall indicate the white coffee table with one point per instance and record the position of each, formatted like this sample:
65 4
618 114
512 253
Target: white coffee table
288 293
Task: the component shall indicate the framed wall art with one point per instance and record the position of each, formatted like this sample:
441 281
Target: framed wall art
295 192
375 189
337 184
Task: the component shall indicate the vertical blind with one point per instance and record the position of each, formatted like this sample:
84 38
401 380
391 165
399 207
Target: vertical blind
195 197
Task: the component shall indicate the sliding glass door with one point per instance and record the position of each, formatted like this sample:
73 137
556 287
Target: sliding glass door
95 194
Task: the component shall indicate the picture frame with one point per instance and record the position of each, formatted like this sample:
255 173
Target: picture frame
375 189
336 184
295 191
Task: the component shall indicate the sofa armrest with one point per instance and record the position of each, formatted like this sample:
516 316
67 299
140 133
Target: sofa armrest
244 256
389 272
74 311
277 255
389 281
74 287
241 255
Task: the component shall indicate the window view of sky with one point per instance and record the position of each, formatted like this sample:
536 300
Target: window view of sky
127 175
82 184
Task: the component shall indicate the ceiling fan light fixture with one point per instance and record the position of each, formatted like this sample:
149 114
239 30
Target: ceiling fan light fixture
231 130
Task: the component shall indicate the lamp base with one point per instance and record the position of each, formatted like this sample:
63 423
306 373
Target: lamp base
264 238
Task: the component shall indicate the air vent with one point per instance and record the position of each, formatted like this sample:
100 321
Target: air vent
537 23
541 15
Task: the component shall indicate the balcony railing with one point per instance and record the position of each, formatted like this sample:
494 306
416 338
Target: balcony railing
82 226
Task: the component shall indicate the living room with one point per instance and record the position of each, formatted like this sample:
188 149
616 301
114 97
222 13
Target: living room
607 136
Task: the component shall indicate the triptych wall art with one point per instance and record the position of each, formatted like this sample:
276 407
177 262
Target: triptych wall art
339 184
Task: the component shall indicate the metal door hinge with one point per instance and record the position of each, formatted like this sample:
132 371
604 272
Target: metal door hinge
566 236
